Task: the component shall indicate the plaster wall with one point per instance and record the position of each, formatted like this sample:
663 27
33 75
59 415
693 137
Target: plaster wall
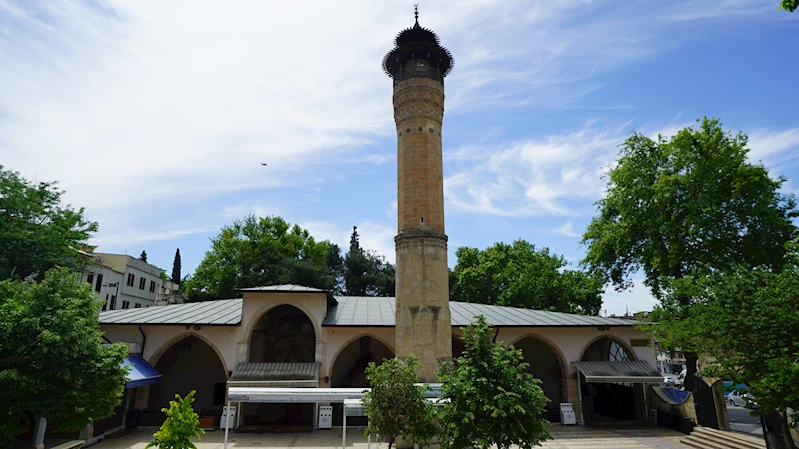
222 339
574 340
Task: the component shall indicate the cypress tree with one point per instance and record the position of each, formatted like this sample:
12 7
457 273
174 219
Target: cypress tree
176 267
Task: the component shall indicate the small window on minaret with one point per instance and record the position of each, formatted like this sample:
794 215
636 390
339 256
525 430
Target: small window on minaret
431 131
408 131
422 220
421 129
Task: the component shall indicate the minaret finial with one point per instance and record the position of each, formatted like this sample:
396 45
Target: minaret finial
416 12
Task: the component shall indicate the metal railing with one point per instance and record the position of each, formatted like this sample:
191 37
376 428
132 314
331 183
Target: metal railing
420 71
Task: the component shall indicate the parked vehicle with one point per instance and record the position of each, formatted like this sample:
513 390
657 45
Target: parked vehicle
737 398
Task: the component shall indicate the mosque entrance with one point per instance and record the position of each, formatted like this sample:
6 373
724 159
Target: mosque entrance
546 366
611 401
349 371
190 364
283 335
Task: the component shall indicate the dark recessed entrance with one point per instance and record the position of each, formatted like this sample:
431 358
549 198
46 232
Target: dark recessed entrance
544 365
283 335
349 371
608 402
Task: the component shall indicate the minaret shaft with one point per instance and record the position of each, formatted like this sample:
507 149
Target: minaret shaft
423 325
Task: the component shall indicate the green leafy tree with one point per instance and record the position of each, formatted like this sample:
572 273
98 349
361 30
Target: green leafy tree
366 273
519 275
395 405
745 323
54 362
260 251
38 232
493 400
143 256
688 205
181 423
176 267
789 5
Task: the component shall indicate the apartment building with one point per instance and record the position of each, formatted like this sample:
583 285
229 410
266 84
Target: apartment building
126 282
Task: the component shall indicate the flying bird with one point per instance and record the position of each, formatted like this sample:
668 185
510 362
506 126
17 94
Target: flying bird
263 163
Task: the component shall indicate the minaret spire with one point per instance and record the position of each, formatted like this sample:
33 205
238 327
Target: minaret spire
416 13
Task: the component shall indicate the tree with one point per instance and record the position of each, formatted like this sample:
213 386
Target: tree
789 5
688 205
176 267
519 275
54 362
745 323
395 405
260 251
38 232
181 423
493 400
366 273
143 256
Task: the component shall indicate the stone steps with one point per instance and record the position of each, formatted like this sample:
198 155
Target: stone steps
709 438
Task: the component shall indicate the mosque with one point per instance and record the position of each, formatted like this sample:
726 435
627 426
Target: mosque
292 336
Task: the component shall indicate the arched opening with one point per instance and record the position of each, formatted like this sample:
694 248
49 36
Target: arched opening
620 401
190 364
546 366
349 370
457 347
284 334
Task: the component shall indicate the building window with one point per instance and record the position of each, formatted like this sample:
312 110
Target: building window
137 306
152 286
125 304
99 283
142 283
131 277
90 278
113 302
105 304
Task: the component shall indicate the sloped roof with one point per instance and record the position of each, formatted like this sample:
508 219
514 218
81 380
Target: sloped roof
262 371
286 288
222 312
637 371
380 311
355 311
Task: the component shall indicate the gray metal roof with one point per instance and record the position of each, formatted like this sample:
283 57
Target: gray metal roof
222 312
379 311
262 371
637 371
287 288
355 311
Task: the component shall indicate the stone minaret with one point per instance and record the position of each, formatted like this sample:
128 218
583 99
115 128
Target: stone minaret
418 66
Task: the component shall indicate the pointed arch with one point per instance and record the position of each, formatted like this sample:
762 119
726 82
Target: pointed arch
351 341
156 356
627 348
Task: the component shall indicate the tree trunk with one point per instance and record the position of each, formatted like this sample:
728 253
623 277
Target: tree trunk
778 434
689 383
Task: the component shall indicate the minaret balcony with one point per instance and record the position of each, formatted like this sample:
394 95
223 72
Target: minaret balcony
418 71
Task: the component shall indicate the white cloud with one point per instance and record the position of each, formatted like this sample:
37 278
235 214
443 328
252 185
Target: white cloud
568 230
558 175
134 106
636 299
372 236
535 176
774 147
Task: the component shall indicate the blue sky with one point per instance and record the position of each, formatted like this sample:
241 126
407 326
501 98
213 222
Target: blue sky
155 116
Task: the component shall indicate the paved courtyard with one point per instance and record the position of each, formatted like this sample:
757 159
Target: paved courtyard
565 438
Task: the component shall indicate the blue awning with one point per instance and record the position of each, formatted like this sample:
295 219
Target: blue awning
141 373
